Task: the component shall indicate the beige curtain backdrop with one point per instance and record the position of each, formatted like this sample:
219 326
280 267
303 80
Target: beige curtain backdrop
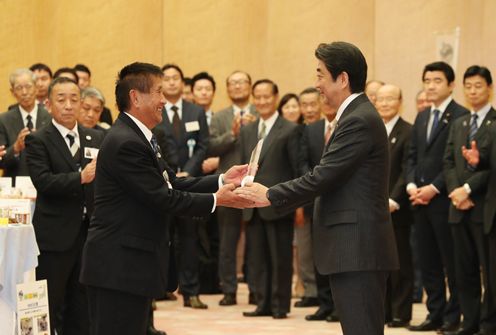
267 38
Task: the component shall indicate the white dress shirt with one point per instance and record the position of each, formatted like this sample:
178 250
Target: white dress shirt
33 113
268 123
64 131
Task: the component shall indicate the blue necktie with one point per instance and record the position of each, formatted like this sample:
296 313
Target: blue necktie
473 129
435 123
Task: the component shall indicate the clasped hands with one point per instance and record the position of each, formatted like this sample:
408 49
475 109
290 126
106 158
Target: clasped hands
231 194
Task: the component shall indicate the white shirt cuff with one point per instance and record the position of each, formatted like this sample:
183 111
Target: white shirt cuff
215 203
394 204
467 188
411 186
221 180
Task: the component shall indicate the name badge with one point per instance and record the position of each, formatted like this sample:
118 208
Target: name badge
90 153
192 126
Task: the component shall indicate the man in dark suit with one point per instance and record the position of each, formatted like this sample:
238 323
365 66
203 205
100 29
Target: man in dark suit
62 172
183 136
467 189
125 258
486 160
311 109
354 239
427 189
92 103
312 144
268 233
224 143
400 284
19 121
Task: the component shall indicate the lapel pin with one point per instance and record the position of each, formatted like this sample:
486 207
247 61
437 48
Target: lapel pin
393 140
488 122
464 123
88 137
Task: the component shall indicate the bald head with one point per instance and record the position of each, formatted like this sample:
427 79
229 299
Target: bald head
388 102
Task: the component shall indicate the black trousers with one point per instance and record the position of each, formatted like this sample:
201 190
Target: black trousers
359 297
490 323
66 296
187 262
471 255
324 292
436 255
271 262
400 284
116 312
229 231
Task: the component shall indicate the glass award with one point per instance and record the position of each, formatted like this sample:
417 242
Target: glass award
253 164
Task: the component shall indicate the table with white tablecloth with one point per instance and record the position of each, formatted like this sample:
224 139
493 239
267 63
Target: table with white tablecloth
18 259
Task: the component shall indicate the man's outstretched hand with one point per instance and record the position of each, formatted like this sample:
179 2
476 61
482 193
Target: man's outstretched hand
235 174
227 198
255 194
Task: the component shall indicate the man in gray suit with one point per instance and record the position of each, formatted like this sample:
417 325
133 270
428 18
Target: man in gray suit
224 143
23 118
353 235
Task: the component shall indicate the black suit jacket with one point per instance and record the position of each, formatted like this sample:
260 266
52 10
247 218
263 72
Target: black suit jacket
128 244
352 227
176 151
61 197
11 124
425 159
278 159
488 162
399 141
311 150
456 170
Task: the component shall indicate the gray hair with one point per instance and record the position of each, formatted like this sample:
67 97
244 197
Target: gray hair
19 72
93 92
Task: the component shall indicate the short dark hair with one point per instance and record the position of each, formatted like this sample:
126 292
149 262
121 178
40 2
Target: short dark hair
239 71
66 70
59 81
340 57
188 81
284 100
135 76
200 76
476 70
173 66
275 89
310 90
41 67
440 66
82 68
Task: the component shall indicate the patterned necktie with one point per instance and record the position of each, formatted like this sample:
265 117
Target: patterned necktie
330 128
261 134
176 123
155 146
435 123
74 148
29 124
473 129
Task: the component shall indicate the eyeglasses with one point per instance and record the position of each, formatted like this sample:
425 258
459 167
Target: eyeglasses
20 88
386 99
237 82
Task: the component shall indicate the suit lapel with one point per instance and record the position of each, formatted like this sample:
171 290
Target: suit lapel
17 120
488 121
393 137
130 123
269 139
59 143
42 118
443 122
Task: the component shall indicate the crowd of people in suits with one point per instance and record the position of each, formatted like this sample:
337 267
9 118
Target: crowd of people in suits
442 186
